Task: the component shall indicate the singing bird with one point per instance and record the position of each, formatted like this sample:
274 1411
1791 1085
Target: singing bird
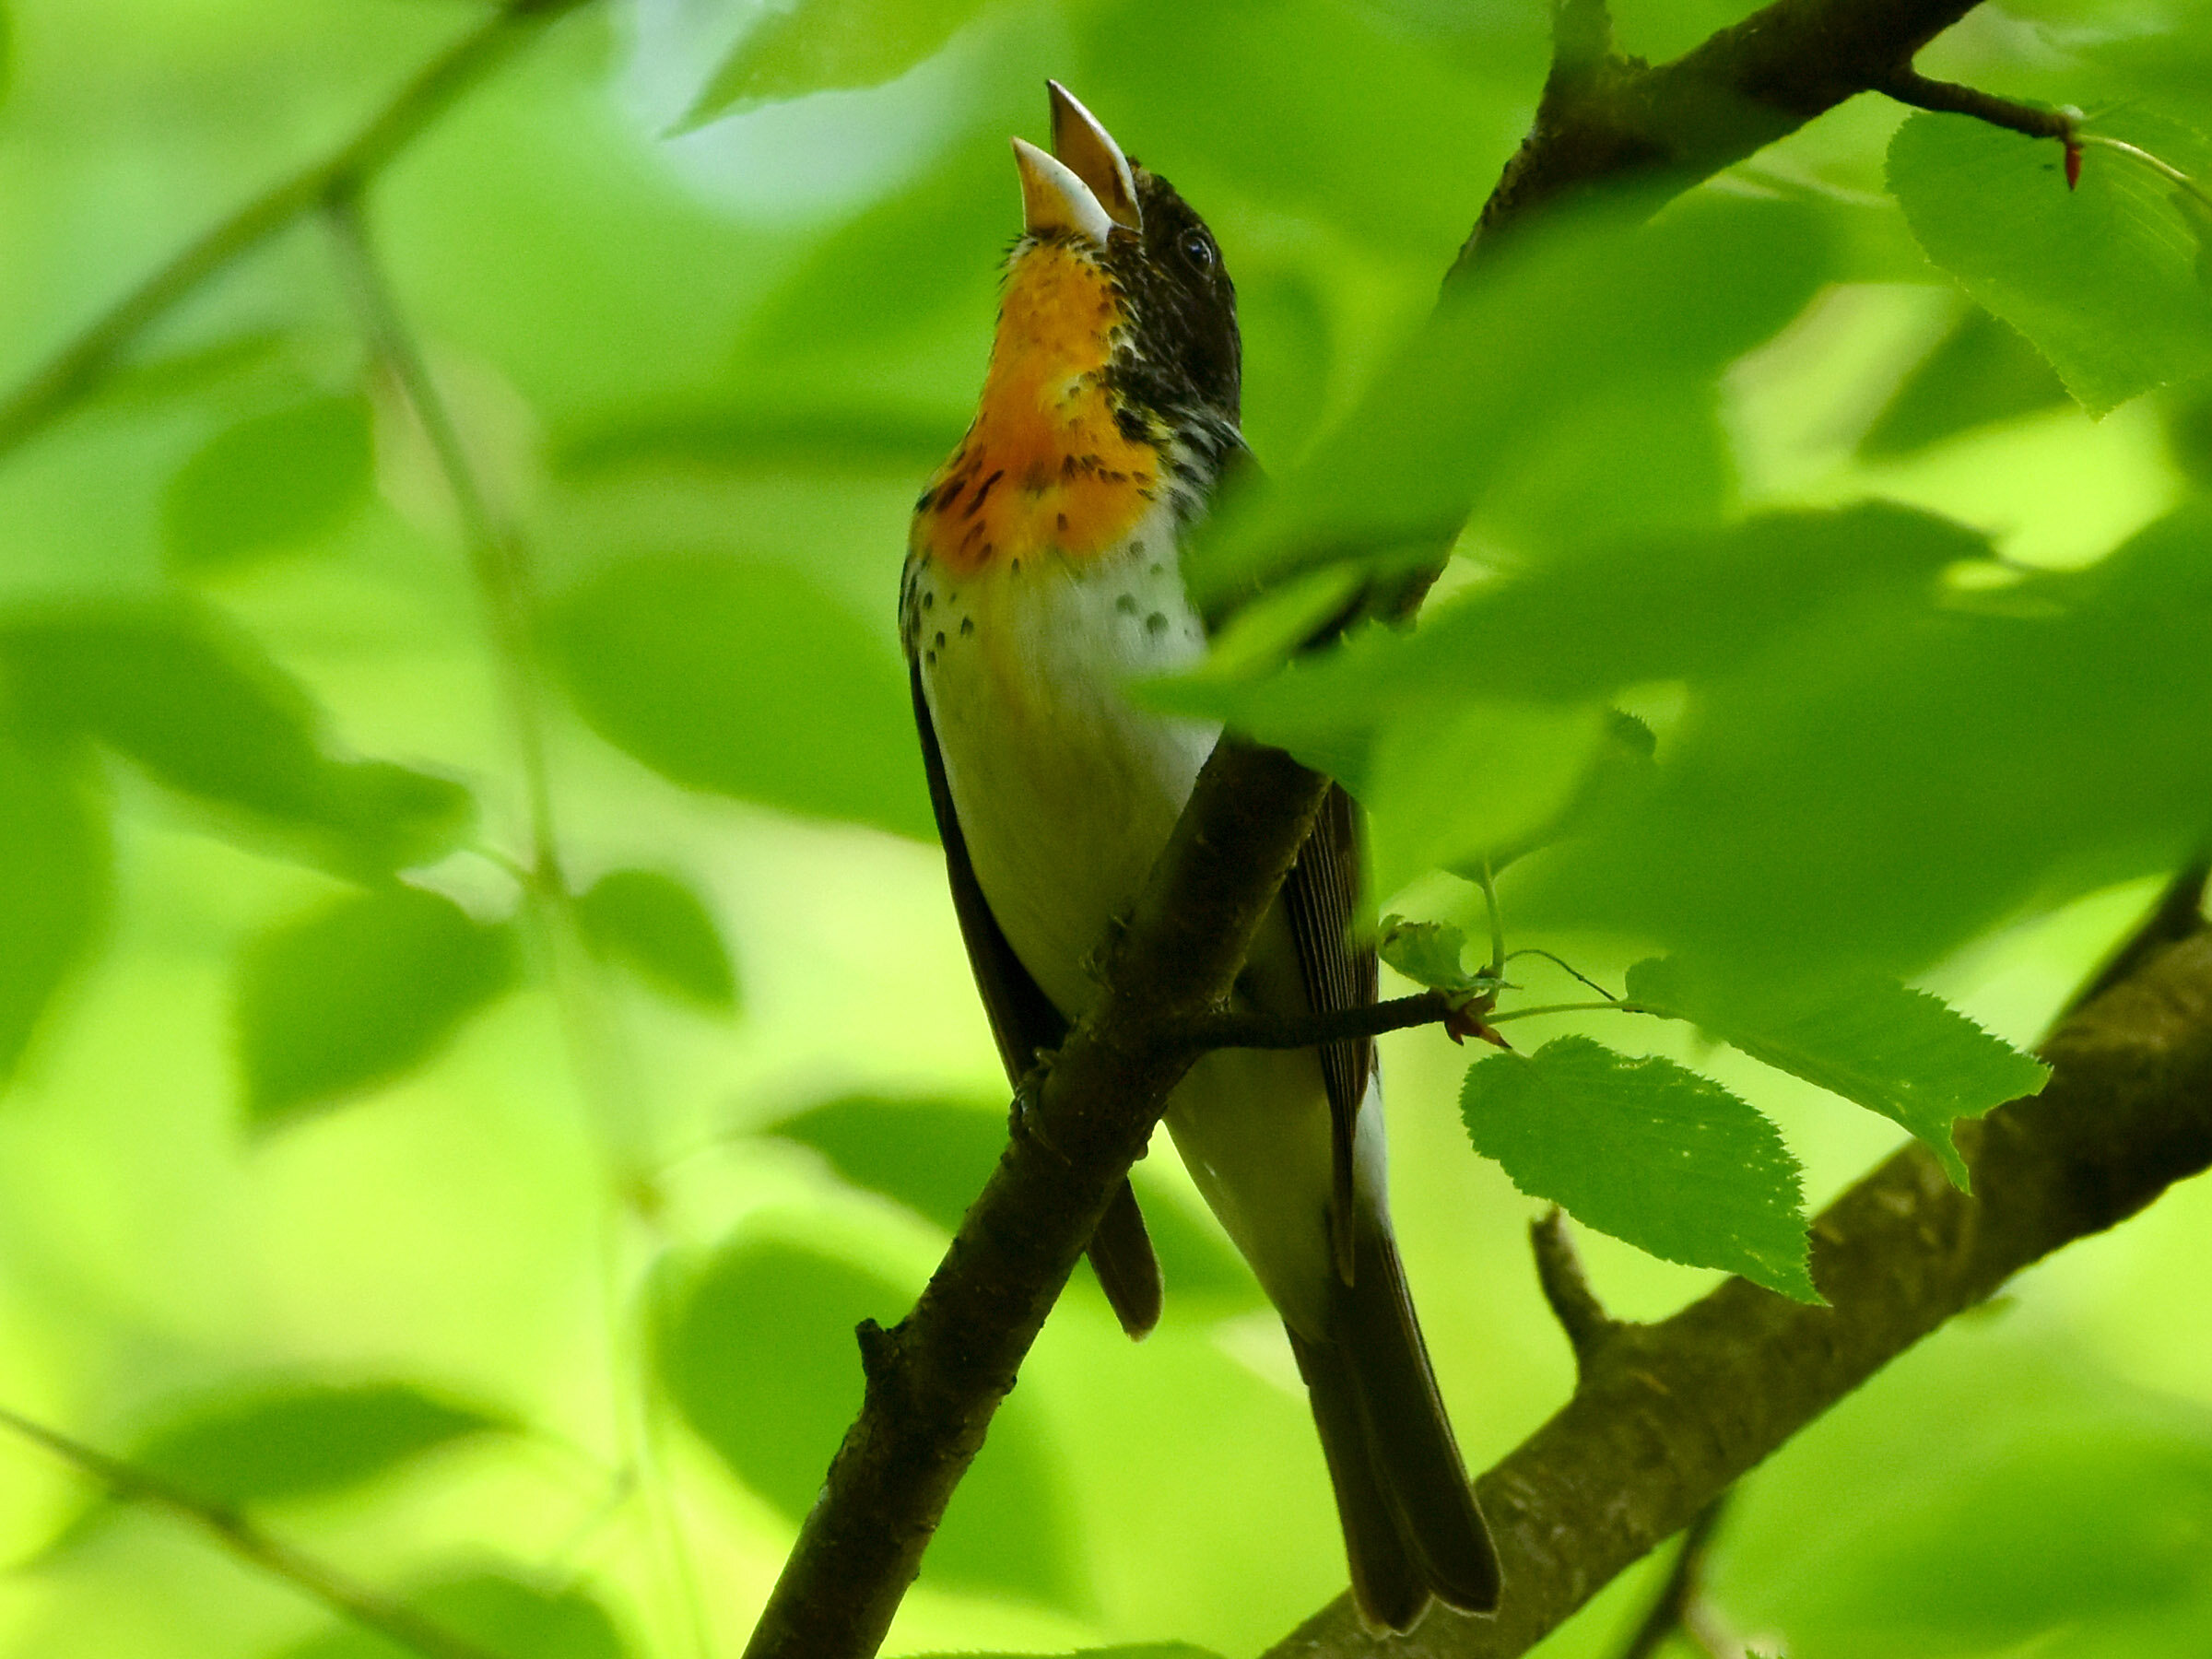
1043 574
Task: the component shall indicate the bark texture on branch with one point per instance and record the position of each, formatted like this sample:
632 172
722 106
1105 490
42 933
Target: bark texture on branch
1666 1416
1611 121
936 1378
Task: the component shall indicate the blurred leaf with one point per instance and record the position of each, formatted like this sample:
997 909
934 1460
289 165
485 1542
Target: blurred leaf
1289 354
757 1351
916 262
268 483
53 885
502 1611
1428 953
1903 1053
1329 112
358 995
819 45
1865 795
2102 279
1450 783
2075 1524
1649 1152
264 1443
747 438
1636 461
201 708
1573 327
1142 1650
746 679
1483 730
935 1155
659 926
1980 373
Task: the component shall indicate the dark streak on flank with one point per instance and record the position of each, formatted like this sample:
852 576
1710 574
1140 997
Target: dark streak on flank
975 503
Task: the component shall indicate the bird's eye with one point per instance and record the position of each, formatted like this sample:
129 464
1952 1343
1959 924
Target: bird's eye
1198 248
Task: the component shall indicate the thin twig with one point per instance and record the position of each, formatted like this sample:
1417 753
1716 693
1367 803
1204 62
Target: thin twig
1908 85
1675 1607
1564 965
1239 1030
500 564
1612 1005
1590 1329
372 1609
494 553
88 356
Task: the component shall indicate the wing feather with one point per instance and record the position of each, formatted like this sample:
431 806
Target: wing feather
1024 1023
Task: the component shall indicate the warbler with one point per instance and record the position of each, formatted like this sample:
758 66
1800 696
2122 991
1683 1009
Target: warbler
1043 574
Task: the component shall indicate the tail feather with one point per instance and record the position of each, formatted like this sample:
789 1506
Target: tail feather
1389 1590
1120 1254
1409 1515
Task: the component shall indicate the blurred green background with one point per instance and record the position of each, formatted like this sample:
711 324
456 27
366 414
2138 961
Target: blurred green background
506 1250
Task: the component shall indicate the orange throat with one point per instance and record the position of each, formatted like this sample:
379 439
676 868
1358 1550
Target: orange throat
1046 467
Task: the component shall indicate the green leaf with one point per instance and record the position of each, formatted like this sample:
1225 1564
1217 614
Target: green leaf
268 483
1428 953
821 45
934 1157
1980 373
1903 1053
502 1611
1573 325
1908 766
358 995
2104 280
202 710
1448 782
658 926
756 1348
54 875
745 678
1142 1650
270 1442
1648 1152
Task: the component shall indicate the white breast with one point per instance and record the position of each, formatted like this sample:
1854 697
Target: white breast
1065 792
1065 795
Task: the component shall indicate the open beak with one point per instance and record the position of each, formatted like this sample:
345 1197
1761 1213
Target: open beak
1089 151
1055 199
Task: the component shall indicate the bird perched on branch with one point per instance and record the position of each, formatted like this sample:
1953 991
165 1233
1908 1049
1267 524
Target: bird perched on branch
1043 573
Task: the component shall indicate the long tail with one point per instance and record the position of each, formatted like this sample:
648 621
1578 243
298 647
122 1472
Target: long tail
1411 1529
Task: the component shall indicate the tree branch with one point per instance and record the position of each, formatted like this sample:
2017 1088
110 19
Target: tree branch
934 1379
1624 123
1672 1414
1590 1329
372 1609
81 363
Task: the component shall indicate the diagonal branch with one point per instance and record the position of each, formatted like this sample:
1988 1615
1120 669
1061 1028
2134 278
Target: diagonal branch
1669 1415
81 364
371 1609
